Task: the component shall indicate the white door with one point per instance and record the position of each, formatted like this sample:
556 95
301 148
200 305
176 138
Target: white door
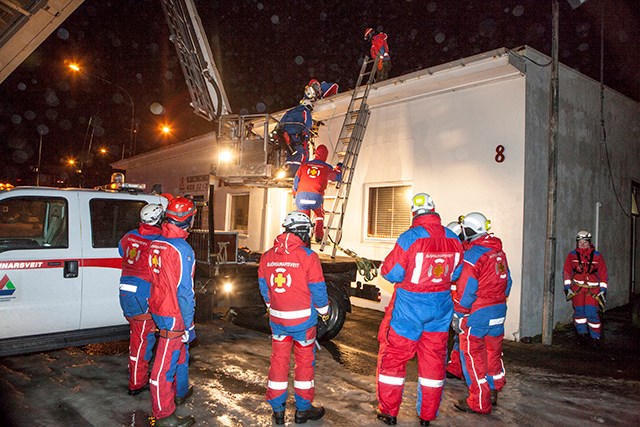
40 278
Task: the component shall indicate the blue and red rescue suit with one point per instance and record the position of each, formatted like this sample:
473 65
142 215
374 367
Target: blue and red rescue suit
483 283
172 304
309 186
585 273
418 315
135 289
295 126
380 48
293 287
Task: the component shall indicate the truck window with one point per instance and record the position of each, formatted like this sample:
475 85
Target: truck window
33 223
110 219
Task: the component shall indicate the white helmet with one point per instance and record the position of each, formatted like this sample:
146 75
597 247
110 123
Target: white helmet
307 103
299 224
422 203
151 214
583 235
456 228
474 225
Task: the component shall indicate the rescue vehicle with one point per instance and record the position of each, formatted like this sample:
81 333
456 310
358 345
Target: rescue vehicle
59 264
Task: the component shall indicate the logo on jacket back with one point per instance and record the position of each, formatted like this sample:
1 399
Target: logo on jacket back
133 253
6 287
313 172
280 280
501 268
154 261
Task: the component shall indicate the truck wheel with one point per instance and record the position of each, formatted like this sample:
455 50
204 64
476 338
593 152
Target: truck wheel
337 317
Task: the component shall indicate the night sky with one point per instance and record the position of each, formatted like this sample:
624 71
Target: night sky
266 52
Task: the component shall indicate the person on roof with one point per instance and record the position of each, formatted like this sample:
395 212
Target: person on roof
310 184
172 305
135 289
585 285
293 288
379 49
417 318
293 134
483 284
316 91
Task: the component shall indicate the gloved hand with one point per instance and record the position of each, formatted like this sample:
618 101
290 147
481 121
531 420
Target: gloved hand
325 317
602 295
568 293
339 165
189 335
455 324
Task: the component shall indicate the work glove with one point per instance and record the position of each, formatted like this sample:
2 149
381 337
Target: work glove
603 296
325 317
568 293
455 324
189 335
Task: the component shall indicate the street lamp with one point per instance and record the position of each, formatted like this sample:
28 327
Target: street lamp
75 67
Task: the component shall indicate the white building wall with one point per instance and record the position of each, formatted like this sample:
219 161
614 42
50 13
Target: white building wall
445 145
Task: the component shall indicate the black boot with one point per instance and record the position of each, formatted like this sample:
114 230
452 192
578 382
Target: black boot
494 397
388 419
583 339
278 417
175 421
180 400
452 376
595 342
137 391
462 405
424 422
313 413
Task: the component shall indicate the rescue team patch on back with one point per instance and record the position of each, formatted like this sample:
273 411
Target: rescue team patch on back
6 287
133 253
313 172
155 262
280 281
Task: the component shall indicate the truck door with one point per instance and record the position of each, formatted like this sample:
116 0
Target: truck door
105 221
40 278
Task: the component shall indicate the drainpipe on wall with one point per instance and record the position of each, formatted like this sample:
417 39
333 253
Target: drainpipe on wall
596 230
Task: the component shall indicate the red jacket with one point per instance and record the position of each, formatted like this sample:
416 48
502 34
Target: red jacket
424 257
313 176
292 285
587 268
379 47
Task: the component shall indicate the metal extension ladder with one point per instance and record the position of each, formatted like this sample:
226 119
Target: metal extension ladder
347 149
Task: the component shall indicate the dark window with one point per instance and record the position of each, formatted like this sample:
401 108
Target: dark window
111 219
389 211
33 223
239 218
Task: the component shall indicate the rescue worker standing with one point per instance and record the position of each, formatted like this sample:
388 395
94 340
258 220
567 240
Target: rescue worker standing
293 288
585 284
483 283
135 289
172 304
293 134
380 49
454 365
418 316
310 184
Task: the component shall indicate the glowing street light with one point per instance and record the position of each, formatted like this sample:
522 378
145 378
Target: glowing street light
76 67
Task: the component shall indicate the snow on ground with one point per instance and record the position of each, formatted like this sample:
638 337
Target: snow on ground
87 387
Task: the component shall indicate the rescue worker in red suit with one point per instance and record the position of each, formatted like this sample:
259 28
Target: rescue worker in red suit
135 289
585 284
483 283
172 304
418 316
380 49
310 184
293 133
315 90
293 288
454 365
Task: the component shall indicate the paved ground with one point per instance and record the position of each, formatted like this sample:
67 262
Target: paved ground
559 385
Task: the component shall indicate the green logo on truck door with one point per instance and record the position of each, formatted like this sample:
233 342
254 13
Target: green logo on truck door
6 287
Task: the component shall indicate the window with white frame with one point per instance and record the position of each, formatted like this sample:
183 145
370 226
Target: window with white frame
239 212
389 211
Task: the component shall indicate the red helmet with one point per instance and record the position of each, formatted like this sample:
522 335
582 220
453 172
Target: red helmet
322 152
368 33
180 211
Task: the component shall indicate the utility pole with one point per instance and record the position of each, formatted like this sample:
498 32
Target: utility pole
39 161
552 186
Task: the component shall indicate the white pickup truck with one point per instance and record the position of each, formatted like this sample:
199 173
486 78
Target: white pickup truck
59 265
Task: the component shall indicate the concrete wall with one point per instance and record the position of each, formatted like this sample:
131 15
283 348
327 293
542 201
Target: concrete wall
584 183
